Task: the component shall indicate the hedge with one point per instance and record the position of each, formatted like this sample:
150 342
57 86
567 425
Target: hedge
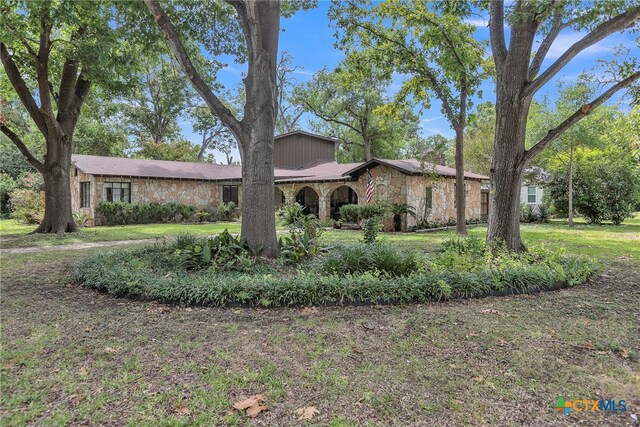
153 273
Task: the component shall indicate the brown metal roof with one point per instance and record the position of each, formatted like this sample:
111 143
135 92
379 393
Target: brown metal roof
413 167
328 171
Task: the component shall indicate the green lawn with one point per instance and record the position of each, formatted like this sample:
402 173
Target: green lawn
71 356
13 235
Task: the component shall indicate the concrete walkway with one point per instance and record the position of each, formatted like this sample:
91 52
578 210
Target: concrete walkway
76 246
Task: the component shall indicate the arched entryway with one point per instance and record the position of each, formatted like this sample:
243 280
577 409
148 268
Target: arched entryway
341 196
308 198
279 198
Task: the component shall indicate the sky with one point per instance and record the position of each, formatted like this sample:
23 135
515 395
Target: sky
309 38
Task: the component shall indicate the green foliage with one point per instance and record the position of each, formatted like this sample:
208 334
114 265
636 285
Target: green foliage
7 185
352 274
527 213
544 212
606 187
303 239
357 213
179 150
81 220
351 105
292 213
222 252
362 257
371 228
27 205
121 213
227 211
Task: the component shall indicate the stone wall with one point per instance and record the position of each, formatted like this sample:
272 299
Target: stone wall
392 186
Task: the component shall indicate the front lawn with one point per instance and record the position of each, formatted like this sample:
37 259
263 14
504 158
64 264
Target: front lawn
73 356
15 235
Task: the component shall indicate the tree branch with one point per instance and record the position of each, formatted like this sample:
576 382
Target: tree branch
496 32
577 116
613 25
23 148
173 39
21 88
556 27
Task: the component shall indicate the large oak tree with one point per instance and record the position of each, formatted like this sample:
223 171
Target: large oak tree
52 53
429 44
259 24
520 75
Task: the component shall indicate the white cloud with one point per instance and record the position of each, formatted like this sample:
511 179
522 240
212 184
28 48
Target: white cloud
304 72
565 41
477 22
432 119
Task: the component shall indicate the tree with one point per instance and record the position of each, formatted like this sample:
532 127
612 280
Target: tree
353 108
289 113
433 149
429 43
50 49
519 76
478 139
160 96
215 135
258 22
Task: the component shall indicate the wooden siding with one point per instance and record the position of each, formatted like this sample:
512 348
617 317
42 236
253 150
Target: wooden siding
297 150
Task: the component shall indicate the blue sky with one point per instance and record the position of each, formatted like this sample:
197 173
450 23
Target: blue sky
308 37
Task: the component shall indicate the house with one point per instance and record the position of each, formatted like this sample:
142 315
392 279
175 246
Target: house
532 195
305 172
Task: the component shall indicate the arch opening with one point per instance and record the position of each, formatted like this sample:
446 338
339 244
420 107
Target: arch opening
309 199
343 195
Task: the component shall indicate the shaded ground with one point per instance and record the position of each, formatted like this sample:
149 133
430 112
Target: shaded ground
72 356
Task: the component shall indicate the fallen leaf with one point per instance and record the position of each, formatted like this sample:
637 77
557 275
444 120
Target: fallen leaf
254 410
624 353
309 310
307 413
182 410
111 350
490 311
76 398
83 371
249 402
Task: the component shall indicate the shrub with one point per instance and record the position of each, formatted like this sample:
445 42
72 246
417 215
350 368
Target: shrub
360 258
303 239
121 213
527 213
227 211
351 274
292 213
605 187
544 212
223 252
350 213
27 205
371 229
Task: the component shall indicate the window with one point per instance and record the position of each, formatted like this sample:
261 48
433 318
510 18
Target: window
230 194
428 198
117 192
531 194
85 194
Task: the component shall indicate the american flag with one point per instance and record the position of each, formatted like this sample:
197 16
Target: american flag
371 183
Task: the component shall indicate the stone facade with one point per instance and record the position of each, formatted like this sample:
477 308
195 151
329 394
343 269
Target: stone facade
201 194
392 186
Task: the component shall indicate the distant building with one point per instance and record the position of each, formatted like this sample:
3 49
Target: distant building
305 172
532 195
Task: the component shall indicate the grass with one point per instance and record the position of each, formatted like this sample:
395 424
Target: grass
73 356
15 235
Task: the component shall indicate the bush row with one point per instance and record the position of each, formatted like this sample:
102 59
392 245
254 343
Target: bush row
120 213
456 271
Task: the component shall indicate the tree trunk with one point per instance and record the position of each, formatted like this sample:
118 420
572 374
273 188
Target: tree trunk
570 189
506 171
58 217
460 193
259 122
